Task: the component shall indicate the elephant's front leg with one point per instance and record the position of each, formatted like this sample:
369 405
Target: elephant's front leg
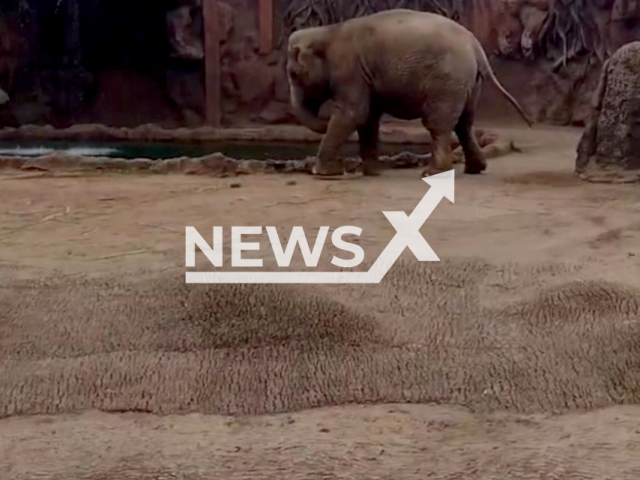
368 136
340 128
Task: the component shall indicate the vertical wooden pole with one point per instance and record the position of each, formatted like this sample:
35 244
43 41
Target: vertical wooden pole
213 96
265 25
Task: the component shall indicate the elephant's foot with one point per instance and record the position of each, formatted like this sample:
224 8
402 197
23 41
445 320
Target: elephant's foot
435 170
430 171
372 168
475 168
328 169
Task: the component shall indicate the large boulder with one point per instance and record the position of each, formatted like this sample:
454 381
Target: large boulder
610 146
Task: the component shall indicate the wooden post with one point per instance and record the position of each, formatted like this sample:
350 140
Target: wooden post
265 25
213 96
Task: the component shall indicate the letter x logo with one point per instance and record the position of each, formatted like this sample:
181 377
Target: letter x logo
408 234
408 226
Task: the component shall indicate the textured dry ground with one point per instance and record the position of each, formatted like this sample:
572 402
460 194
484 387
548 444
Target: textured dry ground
444 333
528 326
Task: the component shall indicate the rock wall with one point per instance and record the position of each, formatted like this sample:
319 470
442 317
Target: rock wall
254 86
550 52
66 61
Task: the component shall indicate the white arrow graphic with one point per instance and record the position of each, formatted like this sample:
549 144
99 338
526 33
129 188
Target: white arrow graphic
407 235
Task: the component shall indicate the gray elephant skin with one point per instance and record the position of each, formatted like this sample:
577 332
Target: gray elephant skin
403 63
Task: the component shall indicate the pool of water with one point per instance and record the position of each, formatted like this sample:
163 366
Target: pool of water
160 151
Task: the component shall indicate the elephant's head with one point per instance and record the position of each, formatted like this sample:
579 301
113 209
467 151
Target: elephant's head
309 80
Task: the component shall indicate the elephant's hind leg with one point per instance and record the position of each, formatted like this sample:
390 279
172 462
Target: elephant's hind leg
474 159
441 159
439 118
368 137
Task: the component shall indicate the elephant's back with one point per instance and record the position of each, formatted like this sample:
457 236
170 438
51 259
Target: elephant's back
403 21
403 50
403 31
397 35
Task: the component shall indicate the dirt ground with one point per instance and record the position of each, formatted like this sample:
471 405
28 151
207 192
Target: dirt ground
527 213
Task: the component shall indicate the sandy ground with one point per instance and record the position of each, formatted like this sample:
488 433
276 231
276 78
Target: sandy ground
528 209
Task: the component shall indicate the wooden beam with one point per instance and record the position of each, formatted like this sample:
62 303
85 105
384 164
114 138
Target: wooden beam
265 25
213 96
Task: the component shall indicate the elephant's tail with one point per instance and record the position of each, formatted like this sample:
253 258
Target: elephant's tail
485 70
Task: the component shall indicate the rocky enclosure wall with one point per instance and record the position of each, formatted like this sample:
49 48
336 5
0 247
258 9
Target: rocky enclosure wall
126 63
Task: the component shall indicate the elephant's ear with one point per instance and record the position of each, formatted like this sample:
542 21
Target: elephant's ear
319 48
295 52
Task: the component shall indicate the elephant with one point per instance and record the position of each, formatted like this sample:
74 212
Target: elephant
403 63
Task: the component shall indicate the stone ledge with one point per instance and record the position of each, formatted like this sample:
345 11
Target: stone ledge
219 165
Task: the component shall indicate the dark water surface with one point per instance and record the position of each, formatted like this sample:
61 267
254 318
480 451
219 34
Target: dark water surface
159 151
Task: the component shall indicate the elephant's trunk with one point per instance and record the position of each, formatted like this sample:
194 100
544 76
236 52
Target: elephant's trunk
305 113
